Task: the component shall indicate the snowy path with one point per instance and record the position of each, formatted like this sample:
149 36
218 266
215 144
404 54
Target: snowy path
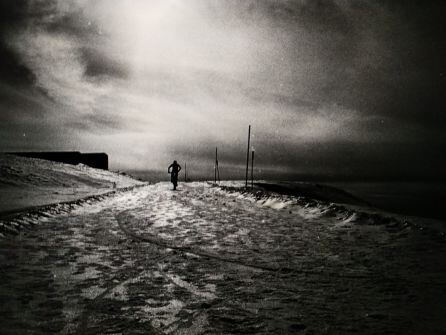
202 260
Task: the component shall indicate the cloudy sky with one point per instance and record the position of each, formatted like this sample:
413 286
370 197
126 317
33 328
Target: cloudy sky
331 87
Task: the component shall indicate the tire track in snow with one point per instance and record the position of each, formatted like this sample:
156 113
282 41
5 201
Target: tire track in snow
84 317
123 216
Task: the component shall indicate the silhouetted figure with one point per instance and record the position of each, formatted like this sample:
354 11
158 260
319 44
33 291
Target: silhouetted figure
174 169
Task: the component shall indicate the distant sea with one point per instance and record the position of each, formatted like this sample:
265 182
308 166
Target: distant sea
423 199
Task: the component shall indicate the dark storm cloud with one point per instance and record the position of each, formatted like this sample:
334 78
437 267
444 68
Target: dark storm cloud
385 58
407 85
99 65
402 76
73 23
13 14
317 15
12 69
24 107
318 161
22 14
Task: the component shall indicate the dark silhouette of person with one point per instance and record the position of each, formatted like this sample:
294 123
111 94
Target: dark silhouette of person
174 169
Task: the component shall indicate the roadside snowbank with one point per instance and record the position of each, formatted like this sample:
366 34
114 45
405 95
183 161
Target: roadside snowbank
30 182
346 213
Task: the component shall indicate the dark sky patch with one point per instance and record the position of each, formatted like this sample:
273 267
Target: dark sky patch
12 69
99 65
13 15
335 160
75 24
388 58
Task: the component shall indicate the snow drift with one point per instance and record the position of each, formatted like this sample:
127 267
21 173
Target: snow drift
29 182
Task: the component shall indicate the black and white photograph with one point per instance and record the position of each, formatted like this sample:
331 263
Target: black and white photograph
223 167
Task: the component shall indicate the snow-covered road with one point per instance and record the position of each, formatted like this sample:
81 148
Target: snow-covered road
205 260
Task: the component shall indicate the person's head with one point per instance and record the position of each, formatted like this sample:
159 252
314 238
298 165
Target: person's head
175 162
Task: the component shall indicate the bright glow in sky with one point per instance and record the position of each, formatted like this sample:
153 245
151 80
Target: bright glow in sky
150 81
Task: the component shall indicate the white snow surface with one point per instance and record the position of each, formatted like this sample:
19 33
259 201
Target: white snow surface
216 260
28 182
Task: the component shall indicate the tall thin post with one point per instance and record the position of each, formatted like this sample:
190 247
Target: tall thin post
215 166
185 172
252 169
247 156
218 168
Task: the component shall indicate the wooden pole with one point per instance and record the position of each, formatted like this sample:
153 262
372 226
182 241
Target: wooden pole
218 169
252 169
185 172
247 157
215 167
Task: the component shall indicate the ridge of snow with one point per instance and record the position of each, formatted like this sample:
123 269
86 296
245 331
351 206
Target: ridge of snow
29 182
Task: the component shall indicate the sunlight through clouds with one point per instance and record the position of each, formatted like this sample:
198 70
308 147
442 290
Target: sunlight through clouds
148 79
